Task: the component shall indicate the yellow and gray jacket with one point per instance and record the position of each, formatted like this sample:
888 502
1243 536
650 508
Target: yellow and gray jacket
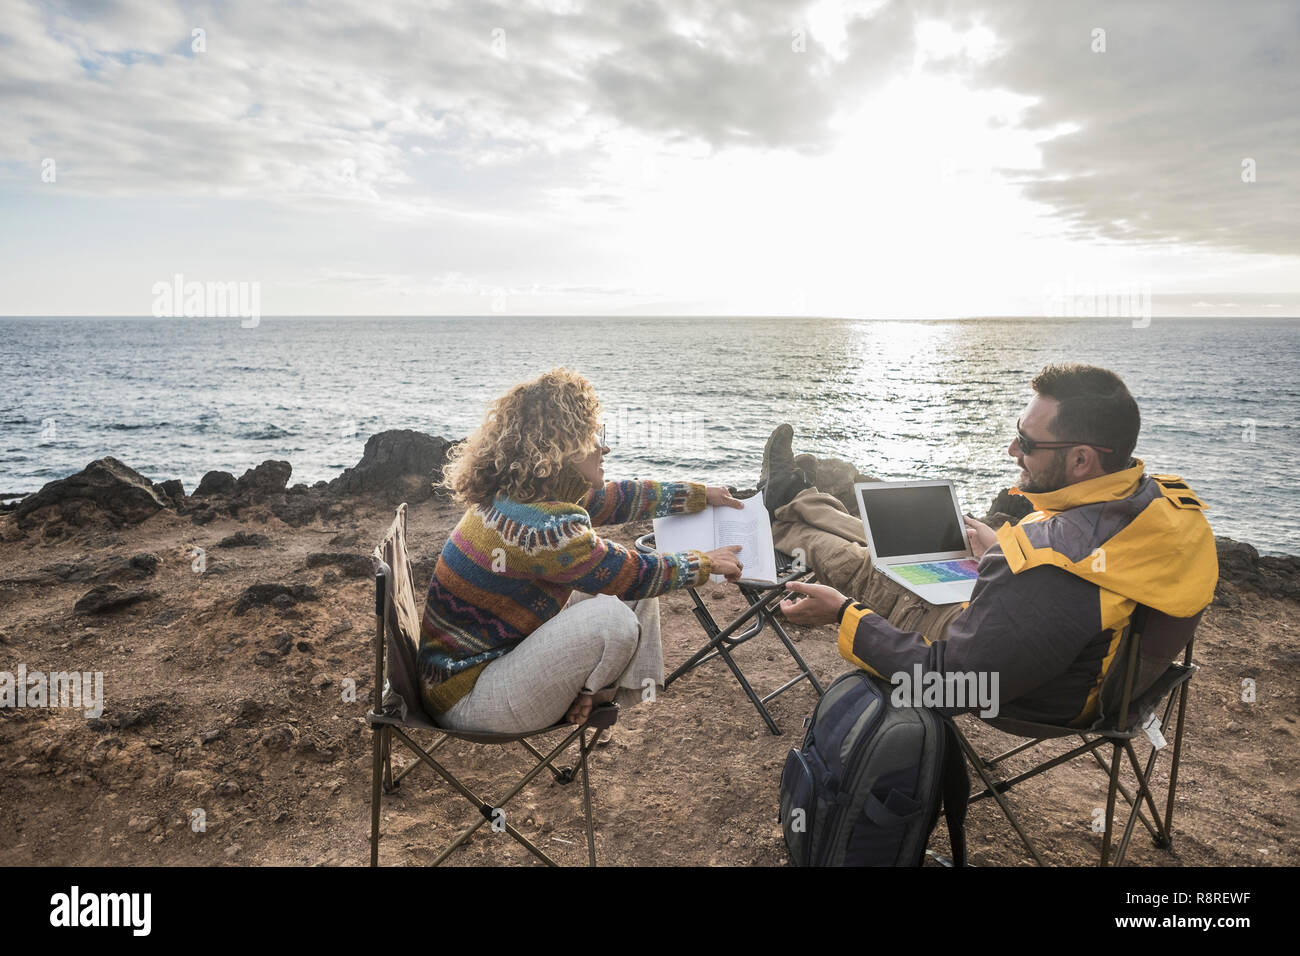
1055 593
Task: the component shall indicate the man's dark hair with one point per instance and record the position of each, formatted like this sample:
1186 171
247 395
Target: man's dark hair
1096 407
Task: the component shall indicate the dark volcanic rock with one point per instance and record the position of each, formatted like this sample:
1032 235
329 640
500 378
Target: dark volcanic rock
1281 574
833 476
1238 563
249 711
318 748
243 539
265 595
297 510
105 491
10 502
127 719
1241 565
215 483
144 563
66 571
172 490
279 738
112 568
110 597
268 478
399 463
352 565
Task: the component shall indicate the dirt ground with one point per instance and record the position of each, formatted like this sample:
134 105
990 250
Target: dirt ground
240 722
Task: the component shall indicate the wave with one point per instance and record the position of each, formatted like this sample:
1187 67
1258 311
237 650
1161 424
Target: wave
265 433
135 426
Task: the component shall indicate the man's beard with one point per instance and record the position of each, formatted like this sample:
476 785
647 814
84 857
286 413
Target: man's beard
1051 479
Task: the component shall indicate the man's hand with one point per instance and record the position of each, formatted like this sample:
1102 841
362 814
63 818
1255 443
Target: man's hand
980 536
818 604
717 495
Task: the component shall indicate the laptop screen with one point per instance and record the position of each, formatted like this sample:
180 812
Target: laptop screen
919 520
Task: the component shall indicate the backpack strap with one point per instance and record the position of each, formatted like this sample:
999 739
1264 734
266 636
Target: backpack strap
956 793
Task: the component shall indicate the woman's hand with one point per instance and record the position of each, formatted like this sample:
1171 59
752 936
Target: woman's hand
819 604
980 536
717 495
726 561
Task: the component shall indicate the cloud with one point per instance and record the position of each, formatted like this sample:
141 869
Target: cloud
357 100
765 78
1183 94
509 112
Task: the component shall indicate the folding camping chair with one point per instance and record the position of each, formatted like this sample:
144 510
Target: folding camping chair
397 709
1131 692
760 613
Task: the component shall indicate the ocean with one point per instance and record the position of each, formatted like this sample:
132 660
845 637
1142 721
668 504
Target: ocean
685 398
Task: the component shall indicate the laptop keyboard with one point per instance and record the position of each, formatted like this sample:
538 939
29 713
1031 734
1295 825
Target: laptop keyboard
936 572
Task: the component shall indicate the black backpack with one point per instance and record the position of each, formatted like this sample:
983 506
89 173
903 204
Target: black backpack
865 788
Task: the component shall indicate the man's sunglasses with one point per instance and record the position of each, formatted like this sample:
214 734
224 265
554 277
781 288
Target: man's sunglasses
1030 445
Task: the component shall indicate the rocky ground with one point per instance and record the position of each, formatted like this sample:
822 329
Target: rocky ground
233 626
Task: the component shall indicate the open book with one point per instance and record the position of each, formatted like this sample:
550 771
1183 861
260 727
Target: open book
717 527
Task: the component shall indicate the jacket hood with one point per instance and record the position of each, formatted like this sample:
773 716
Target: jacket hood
1142 537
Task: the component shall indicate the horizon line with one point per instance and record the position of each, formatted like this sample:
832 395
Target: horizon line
647 315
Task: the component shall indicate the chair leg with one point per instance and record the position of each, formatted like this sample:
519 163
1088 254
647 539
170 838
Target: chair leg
1173 769
387 746
1144 780
1130 798
711 631
562 776
789 645
978 764
376 779
485 809
586 798
1110 805
749 691
1144 790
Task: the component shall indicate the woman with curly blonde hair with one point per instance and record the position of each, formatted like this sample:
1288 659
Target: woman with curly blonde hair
509 640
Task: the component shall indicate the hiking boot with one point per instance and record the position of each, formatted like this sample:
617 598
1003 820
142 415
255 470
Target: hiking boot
778 458
779 480
782 489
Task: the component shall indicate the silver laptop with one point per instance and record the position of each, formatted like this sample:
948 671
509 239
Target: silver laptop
917 537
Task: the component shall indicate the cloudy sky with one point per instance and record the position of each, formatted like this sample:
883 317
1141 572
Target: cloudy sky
651 157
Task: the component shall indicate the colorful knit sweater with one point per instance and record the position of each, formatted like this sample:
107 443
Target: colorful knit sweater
510 567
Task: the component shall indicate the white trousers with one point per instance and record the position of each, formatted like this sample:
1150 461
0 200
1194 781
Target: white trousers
595 643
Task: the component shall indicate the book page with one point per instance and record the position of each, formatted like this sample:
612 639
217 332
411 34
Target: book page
693 532
716 527
751 528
